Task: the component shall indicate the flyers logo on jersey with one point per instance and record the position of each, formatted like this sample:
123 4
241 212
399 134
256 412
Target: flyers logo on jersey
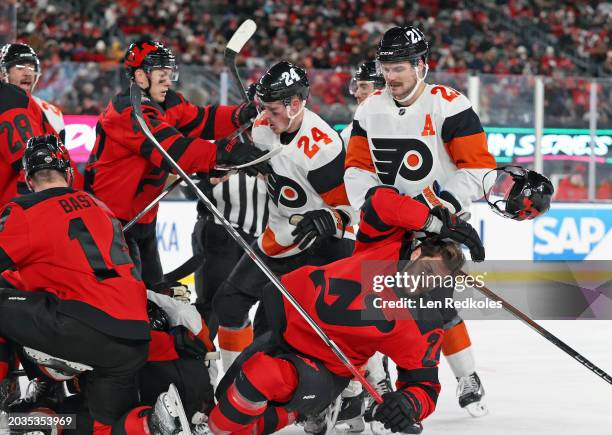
286 192
410 159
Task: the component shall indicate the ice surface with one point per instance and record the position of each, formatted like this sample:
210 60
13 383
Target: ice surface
533 388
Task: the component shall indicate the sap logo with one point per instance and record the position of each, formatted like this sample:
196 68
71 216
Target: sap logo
167 236
570 234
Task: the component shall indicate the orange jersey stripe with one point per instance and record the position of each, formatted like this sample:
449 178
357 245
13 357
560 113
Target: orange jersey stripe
336 196
270 246
471 152
358 154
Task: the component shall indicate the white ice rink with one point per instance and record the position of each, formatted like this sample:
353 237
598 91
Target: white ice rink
533 388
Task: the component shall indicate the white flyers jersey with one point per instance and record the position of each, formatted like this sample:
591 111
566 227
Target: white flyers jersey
308 175
53 113
345 134
437 138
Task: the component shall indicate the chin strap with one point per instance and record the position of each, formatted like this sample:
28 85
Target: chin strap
416 86
291 118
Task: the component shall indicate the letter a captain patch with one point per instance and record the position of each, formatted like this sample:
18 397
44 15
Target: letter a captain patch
428 129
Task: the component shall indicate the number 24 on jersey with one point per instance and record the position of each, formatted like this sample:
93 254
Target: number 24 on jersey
309 147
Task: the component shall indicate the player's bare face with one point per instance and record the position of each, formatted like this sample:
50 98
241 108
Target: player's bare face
276 114
364 89
160 83
400 78
23 75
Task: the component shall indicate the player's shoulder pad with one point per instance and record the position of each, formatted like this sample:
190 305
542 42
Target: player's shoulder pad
121 101
369 104
314 127
173 99
12 97
35 198
261 131
450 100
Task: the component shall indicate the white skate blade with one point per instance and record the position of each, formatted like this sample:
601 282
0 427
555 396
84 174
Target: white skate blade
173 396
477 409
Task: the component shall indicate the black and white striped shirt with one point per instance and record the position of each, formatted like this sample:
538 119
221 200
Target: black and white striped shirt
243 200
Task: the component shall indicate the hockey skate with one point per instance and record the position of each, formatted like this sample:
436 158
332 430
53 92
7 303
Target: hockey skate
9 391
471 395
168 416
350 417
200 424
323 422
40 393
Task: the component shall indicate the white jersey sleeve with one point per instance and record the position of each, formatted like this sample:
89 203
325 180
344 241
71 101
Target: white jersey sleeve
307 175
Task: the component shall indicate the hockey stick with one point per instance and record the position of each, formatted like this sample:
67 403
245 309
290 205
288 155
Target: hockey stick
240 37
544 333
135 98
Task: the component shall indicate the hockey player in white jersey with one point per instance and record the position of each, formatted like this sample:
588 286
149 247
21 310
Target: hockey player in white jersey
427 141
306 186
20 66
366 80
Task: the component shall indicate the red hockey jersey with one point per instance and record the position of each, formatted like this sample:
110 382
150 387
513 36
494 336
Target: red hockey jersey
20 118
126 171
334 297
67 243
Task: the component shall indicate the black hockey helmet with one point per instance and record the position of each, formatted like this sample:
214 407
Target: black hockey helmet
519 193
45 152
403 44
281 82
148 54
16 54
367 72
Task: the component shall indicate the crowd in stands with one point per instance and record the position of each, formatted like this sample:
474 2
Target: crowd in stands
327 34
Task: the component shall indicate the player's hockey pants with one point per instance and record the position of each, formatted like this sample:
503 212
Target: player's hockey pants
269 386
32 319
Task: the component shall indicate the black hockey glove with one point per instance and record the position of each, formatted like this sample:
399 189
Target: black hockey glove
398 412
235 152
244 113
251 91
449 226
316 225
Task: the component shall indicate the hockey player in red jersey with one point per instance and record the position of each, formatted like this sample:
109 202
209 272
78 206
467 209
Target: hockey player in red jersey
427 141
295 374
127 172
21 115
88 307
306 180
20 66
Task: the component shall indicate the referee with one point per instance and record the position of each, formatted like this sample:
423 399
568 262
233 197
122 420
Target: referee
243 201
